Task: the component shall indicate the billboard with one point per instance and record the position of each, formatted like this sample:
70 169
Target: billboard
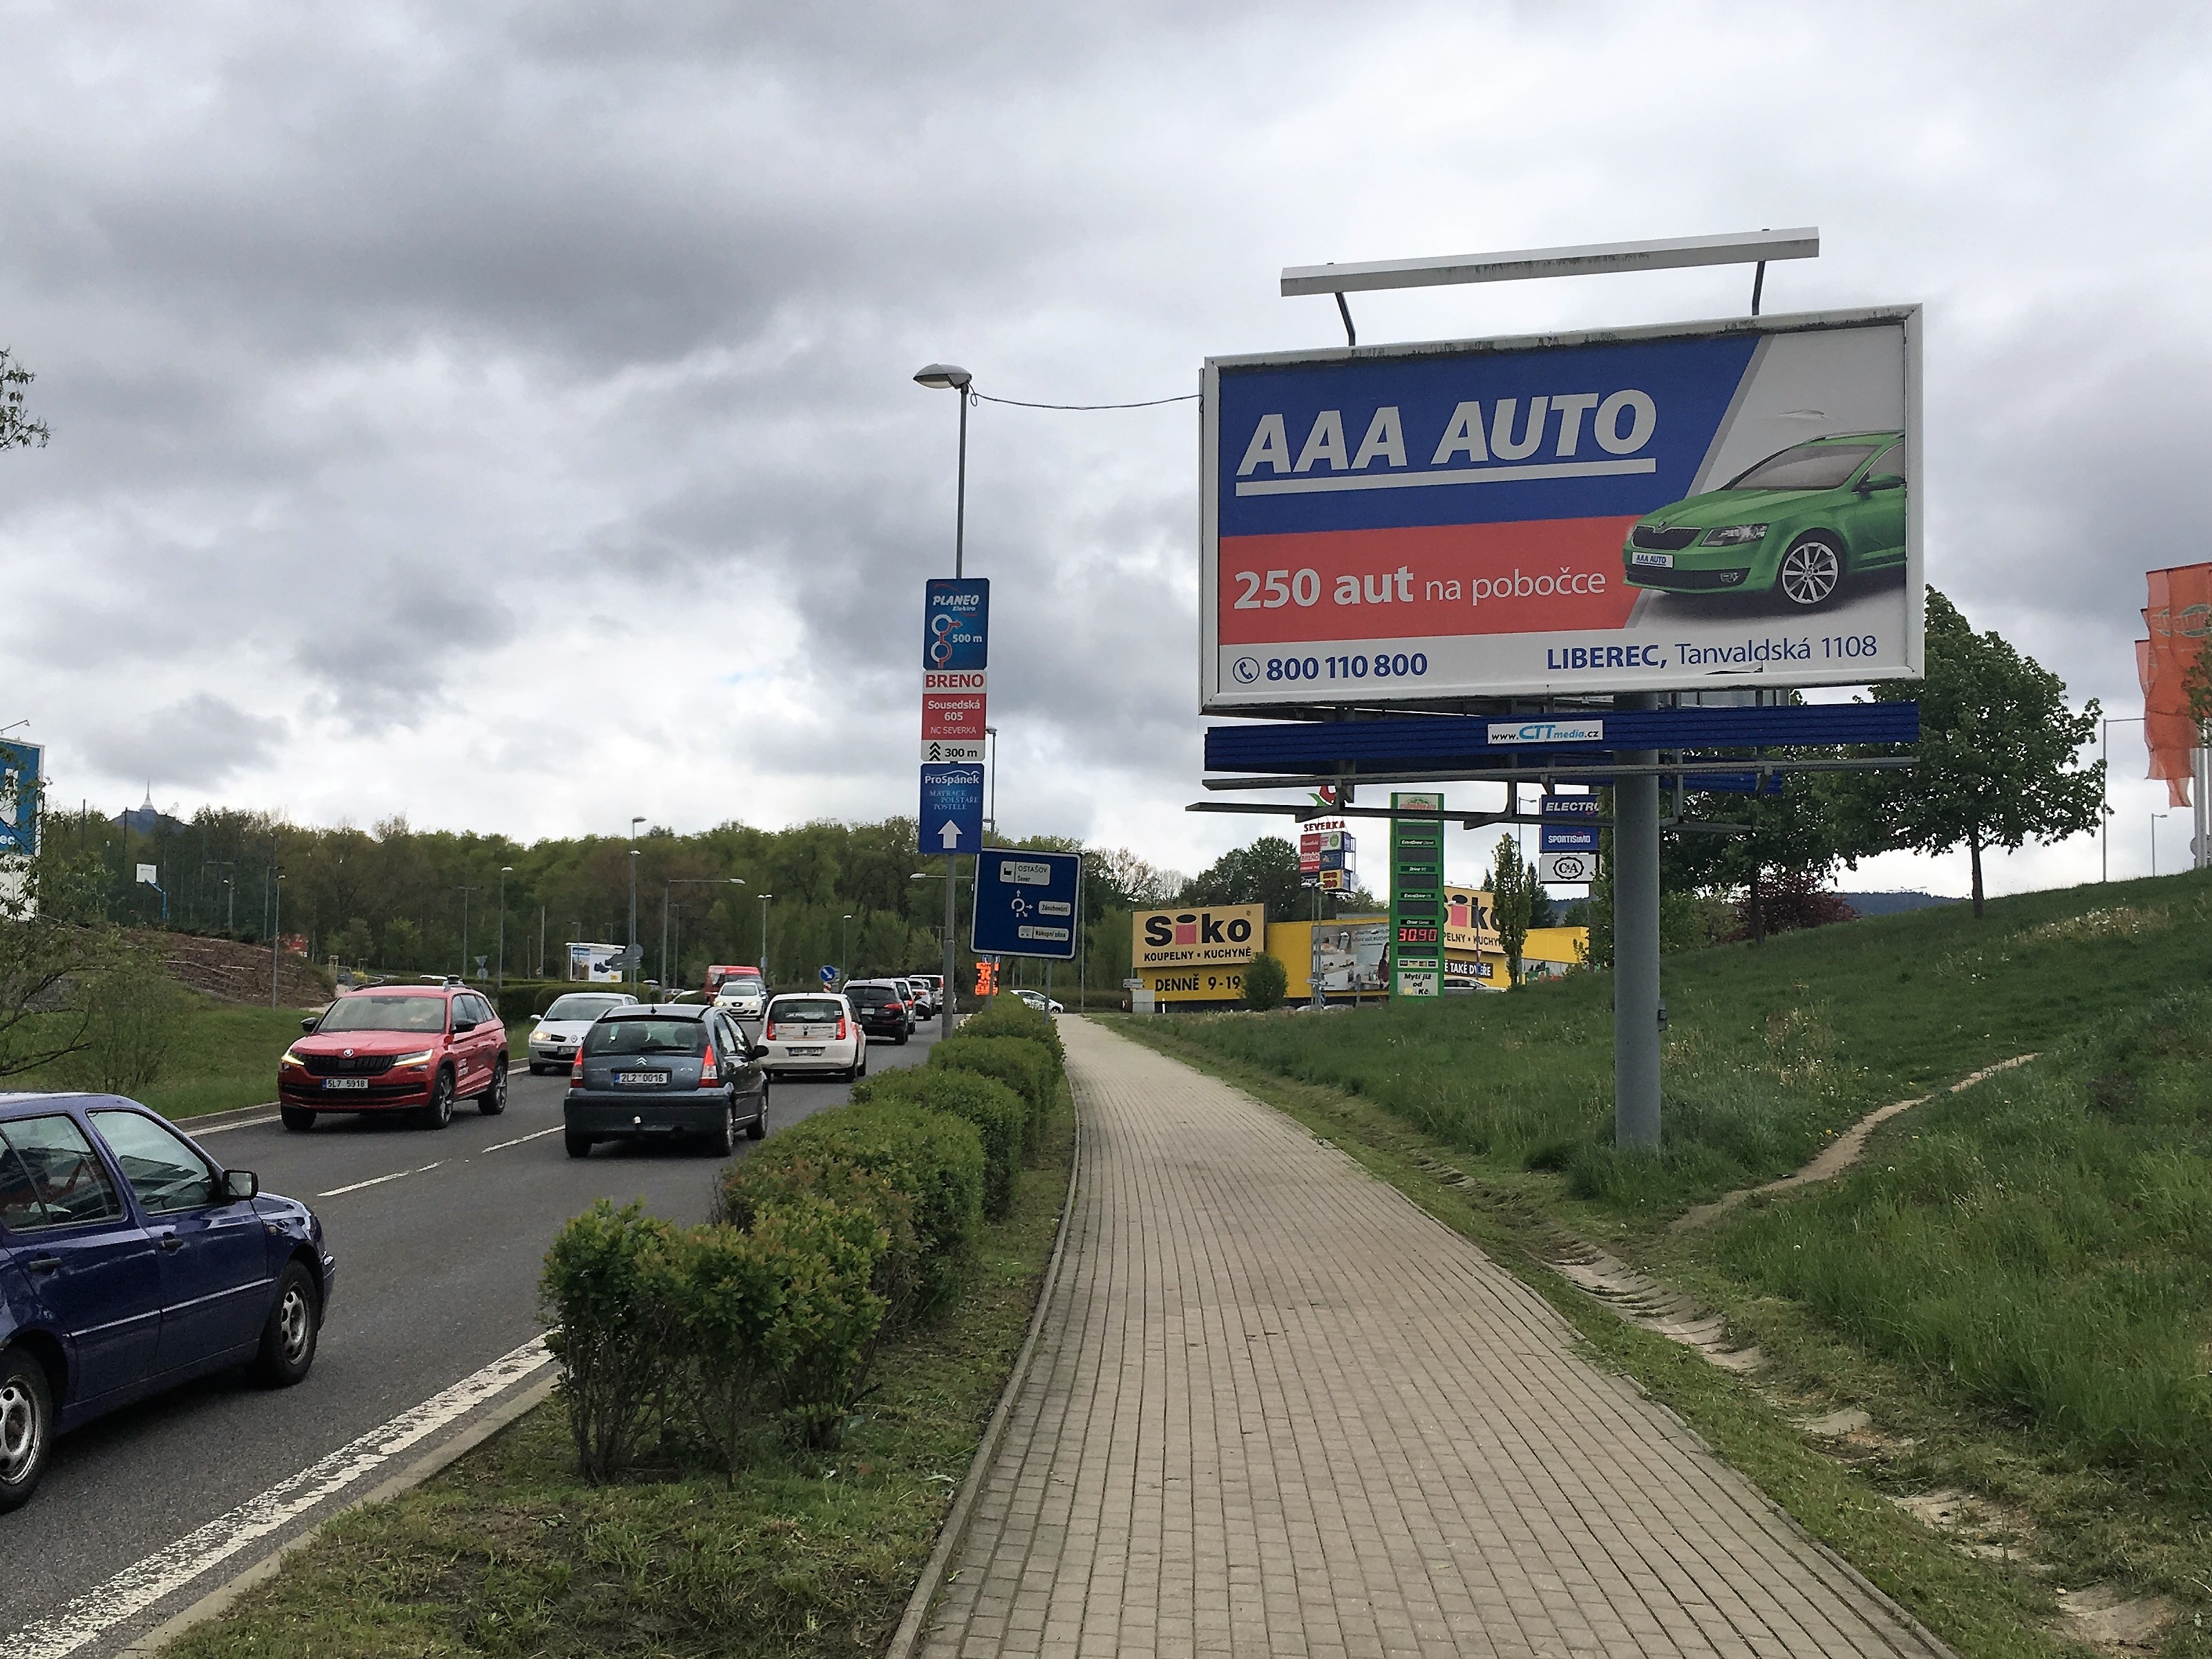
21 770
599 964
2177 621
1699 505
1351 957
1196 936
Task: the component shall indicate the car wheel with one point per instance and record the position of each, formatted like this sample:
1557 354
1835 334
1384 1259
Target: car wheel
26 1426
297 1117
537 1070
1811 572
722 1138
901 1039
439 1112
577 1145
493 1101
758 1128
288 1339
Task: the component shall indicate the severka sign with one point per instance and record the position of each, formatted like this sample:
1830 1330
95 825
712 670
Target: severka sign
1643 508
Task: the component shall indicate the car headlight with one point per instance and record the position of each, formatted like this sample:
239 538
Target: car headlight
291 1058
1735 535
420 1057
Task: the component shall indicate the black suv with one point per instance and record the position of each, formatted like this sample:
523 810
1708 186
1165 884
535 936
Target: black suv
883 1008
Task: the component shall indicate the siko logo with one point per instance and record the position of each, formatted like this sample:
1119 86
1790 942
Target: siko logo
1197 927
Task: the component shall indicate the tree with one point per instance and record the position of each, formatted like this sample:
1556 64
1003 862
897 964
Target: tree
1512 901
17 430
1997 752
1266 872
1796 837
1266 979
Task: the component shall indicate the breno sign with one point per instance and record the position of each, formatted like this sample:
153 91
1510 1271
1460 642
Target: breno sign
1716 503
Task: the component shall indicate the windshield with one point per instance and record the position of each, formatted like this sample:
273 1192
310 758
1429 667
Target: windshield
866 993
647 1036
807 1008
581 1007
384 1013
1808 466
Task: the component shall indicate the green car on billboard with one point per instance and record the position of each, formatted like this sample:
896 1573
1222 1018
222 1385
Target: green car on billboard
1798 526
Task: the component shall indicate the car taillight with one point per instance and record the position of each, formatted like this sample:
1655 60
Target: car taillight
769 1036
899 1007
840 1028
707 1077
576 1071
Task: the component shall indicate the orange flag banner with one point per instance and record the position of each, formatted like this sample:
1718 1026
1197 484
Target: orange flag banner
2177 621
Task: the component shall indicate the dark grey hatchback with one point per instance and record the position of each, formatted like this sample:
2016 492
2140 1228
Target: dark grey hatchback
665 1069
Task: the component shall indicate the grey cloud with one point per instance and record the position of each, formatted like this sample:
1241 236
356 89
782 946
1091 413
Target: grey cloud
195 743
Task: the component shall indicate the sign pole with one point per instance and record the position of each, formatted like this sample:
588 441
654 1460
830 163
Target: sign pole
1637 1011
946 1020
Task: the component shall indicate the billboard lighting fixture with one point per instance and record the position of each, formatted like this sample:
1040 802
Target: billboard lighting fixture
1751 248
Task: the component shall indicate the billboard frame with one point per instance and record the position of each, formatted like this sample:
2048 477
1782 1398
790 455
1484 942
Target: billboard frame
1909 316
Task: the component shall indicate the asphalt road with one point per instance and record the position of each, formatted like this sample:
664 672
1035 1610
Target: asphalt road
437 1278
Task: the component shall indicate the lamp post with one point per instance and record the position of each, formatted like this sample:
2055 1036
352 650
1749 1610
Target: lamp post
2154 818
764 899
634 822
276 929
665 887
945 1017
464 890
844 949
991 755
952 377
2104 822
499 975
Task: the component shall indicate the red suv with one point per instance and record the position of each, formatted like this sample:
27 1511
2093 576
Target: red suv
412 1049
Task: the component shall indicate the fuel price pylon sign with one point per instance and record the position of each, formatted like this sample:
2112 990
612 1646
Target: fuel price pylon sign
1417 883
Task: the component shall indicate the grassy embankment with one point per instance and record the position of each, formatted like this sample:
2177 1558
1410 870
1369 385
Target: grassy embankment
2016 1281
807 1554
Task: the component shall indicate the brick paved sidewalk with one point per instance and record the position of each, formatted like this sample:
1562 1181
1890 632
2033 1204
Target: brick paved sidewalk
1276 1410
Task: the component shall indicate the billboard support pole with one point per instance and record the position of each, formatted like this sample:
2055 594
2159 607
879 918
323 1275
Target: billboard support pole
1637 1011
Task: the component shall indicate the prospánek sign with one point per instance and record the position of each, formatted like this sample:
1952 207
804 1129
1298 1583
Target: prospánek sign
1643 509
951 815
1026 903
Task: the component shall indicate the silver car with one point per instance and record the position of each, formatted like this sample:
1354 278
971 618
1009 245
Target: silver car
553 1040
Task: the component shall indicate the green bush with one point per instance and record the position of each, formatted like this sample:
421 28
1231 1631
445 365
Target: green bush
603 1291
757 1185
1000 1117
934 1161
783 1313
1025 1066
1007 1015
1266 979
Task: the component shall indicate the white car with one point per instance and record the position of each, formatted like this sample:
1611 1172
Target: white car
1040 1002
553 1040
742 995
813 1031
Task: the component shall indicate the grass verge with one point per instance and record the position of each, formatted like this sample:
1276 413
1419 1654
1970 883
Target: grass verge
1984 1609
811 1555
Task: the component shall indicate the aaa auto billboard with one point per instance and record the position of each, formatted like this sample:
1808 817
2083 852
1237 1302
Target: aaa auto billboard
1705 504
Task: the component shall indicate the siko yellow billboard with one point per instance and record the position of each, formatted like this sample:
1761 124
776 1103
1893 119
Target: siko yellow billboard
1196 936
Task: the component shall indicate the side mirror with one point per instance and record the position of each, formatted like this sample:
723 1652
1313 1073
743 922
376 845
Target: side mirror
1880 481
308 1023
758 1051
240 1183
463 1027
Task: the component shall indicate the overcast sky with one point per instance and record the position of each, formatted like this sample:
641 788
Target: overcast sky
501 415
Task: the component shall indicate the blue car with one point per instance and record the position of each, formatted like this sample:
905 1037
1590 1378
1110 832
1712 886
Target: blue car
131 1262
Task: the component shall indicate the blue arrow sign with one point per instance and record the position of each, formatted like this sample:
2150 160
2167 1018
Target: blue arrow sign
829 975
1026 903
952 818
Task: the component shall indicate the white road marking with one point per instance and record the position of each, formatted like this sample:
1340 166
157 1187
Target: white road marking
497 1145
224 1128
339 1192
137 1587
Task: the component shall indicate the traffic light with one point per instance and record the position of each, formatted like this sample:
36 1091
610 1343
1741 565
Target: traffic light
986 979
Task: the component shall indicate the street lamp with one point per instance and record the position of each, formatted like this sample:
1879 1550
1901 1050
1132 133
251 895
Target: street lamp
764 899
276 929
499 980
844 949
944 1019
2104 822
950 377
991 819
634 822
2154 818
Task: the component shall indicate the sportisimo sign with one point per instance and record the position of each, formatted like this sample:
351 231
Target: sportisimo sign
1656 507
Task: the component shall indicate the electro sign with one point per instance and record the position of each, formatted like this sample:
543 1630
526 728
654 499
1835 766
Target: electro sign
1665 507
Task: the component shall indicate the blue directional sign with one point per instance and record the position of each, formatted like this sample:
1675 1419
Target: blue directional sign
952 817
829 973
956 623
1026 903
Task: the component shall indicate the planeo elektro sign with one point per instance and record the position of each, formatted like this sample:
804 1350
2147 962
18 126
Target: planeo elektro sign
1694 506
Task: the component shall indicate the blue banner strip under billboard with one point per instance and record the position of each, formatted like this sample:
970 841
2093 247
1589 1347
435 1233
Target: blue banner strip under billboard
1323 748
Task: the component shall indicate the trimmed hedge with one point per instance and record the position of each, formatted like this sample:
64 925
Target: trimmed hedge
1000 1117
1006 1014
934 1162
1023 1063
